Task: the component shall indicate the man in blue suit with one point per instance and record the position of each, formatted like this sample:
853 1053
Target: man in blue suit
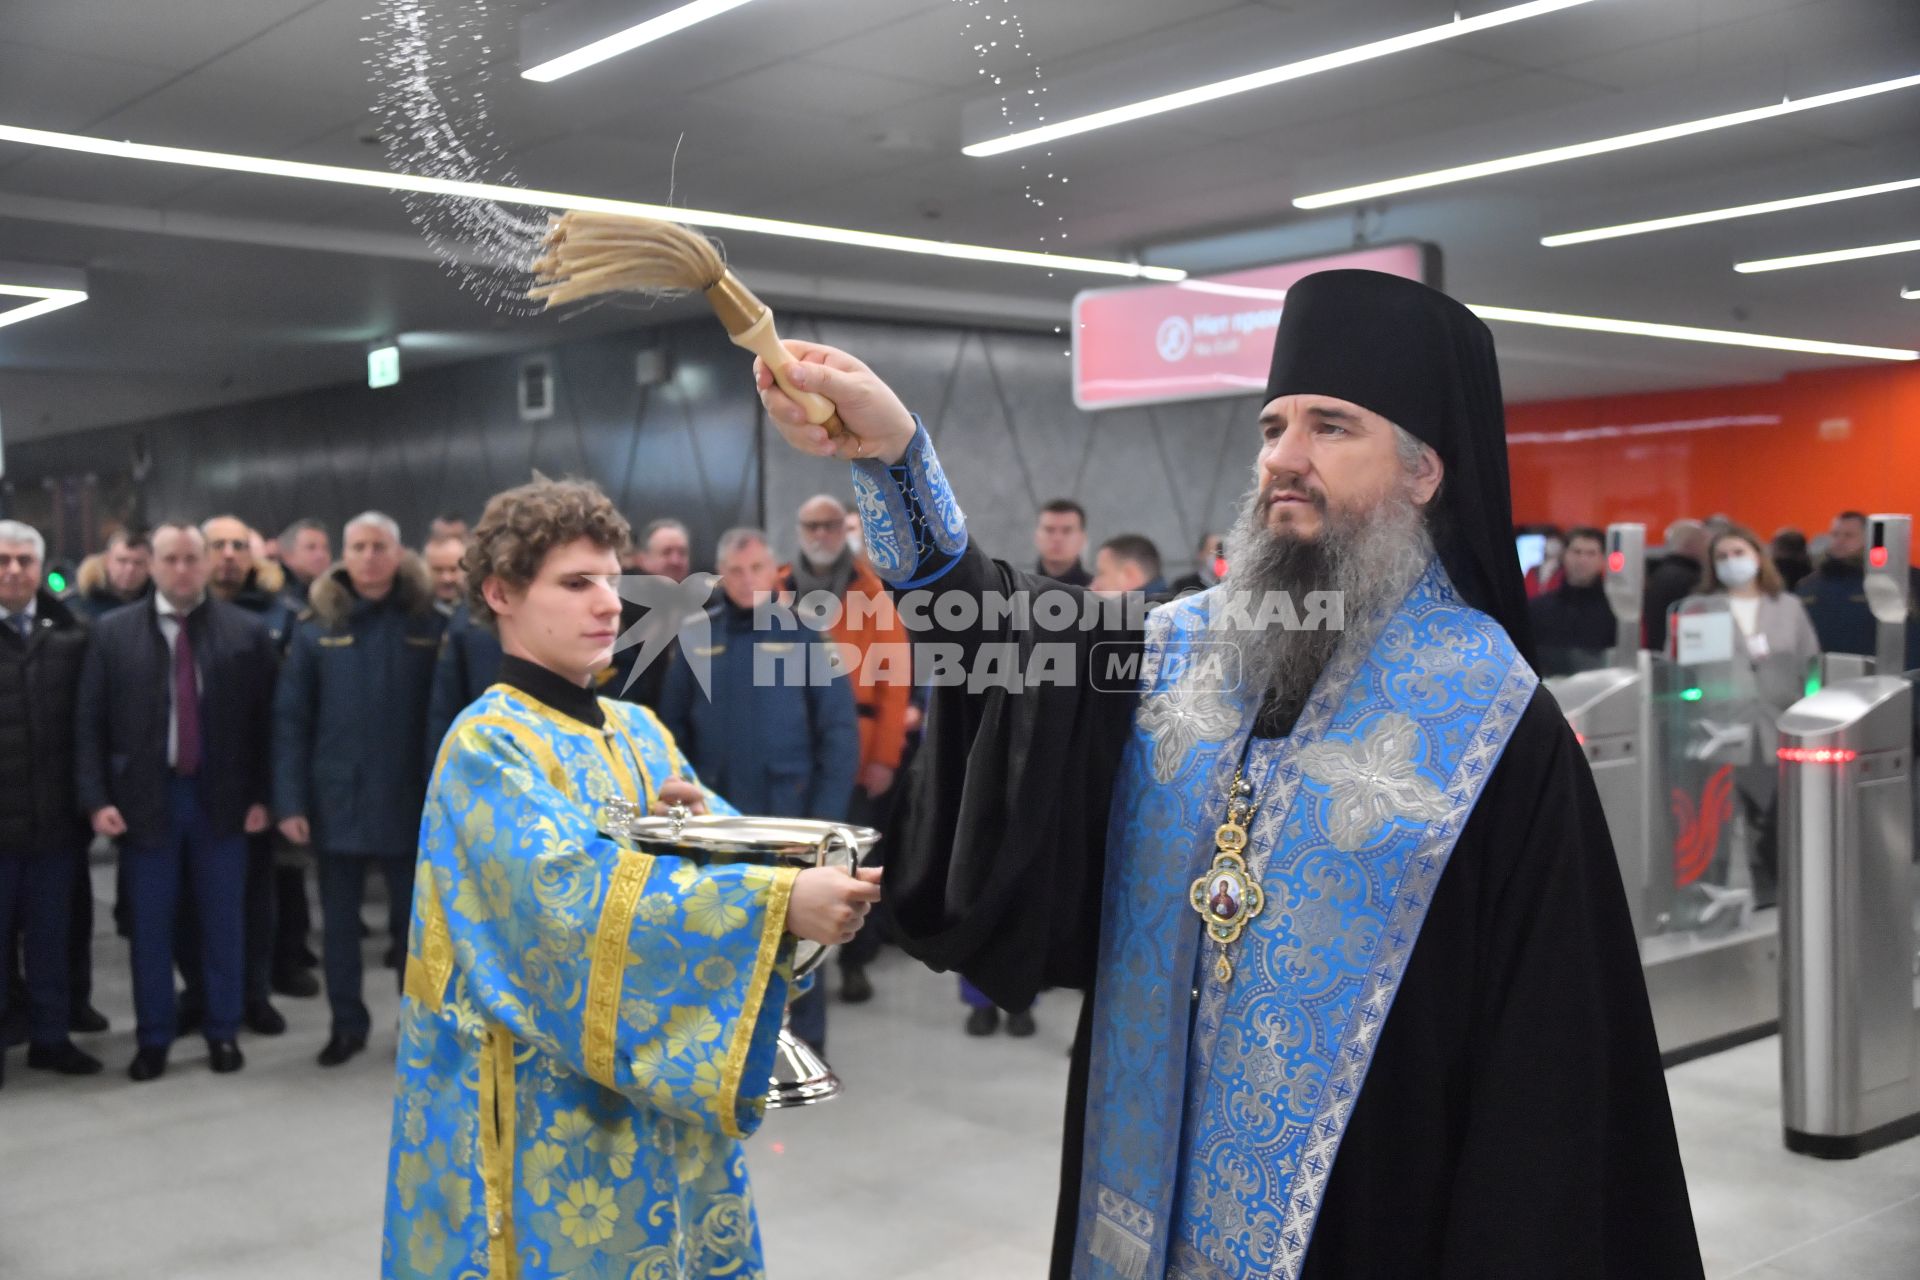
349 753
776 732
170 746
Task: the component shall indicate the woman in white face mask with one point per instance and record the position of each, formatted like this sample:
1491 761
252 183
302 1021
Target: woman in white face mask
1774 642
1771 620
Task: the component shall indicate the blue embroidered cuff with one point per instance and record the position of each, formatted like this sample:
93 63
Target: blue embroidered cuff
914 529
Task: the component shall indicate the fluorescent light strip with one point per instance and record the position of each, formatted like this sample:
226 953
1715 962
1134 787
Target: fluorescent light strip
1600 146
1911 295
632 38
1262 79
1578 434
1721 215
1234 290
385 181
1688 333
49 300
1830 255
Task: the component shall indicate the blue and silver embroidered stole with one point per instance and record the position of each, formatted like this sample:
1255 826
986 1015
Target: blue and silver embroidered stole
1360 807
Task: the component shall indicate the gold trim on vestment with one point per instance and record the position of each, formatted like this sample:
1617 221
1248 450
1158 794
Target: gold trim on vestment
609 947
773 930
431 965
497 1119
526 736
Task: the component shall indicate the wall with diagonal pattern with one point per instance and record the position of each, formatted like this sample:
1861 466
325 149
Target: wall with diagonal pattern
442 440
998 403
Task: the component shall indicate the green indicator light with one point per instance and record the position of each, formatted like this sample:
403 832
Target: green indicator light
1692 695
1813 684
56 582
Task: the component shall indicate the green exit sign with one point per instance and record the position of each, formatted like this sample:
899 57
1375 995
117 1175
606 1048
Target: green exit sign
383 366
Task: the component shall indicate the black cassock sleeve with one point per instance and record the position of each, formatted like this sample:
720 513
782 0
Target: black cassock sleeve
996 861
1515 1120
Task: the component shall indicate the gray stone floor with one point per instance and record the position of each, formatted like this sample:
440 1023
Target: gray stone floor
938 1164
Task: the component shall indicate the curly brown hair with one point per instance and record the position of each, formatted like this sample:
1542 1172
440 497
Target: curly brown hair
521 525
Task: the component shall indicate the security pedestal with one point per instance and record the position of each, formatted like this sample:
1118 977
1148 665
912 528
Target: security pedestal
1849 1030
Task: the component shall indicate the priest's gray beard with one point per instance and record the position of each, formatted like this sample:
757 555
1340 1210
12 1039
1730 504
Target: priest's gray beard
1369 558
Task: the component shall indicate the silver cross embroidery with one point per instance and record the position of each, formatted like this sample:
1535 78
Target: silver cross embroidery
1371 780
1179 718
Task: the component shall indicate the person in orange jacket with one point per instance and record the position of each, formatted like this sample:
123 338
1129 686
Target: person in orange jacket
873 644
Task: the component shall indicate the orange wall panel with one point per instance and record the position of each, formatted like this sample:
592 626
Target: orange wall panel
1791 452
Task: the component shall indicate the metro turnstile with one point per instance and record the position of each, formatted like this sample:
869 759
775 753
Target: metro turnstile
1850 1012
1850 1035
1709 988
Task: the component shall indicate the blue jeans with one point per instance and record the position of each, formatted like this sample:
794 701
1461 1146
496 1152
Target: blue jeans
343 885
213 868
36 893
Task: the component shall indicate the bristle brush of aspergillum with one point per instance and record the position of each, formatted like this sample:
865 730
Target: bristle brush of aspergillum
588 254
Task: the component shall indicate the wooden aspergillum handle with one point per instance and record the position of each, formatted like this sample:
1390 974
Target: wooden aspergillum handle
749 323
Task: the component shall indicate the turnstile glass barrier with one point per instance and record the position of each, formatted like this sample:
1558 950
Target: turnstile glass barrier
1710 949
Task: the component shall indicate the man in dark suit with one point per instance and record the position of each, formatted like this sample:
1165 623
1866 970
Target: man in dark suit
41 838
171 743
257 585
349 748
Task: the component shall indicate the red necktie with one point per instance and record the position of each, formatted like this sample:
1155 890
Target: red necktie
186 707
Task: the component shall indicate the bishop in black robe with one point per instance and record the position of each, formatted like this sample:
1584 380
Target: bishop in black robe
1513 1120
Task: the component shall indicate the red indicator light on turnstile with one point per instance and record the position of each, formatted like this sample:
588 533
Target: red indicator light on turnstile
1878 557
1817 755
1617 562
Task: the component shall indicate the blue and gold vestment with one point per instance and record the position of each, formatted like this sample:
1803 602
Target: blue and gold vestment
587 1030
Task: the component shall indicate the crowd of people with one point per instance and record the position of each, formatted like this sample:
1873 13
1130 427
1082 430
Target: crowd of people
1792 598
228 710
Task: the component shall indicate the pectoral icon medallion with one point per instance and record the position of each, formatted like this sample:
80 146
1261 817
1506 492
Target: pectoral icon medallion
1227 896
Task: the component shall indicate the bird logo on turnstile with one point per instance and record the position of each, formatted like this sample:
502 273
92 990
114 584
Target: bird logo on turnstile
1698 829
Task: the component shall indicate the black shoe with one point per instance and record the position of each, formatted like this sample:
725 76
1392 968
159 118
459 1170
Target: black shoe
263 1019
148 1064
1020 1023
87 1020
65 1057
983 1022
340 1048
854 985
298 983
224 1056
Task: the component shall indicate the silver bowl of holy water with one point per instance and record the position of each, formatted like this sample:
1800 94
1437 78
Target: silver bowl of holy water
801 1077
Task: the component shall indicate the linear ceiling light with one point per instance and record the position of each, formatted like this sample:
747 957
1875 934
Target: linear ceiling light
47 300
1688 333
1599 146
1911 295
1261 79
1721 215
1830 255
632 38
385 181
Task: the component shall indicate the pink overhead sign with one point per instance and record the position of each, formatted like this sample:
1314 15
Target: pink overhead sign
1203 337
